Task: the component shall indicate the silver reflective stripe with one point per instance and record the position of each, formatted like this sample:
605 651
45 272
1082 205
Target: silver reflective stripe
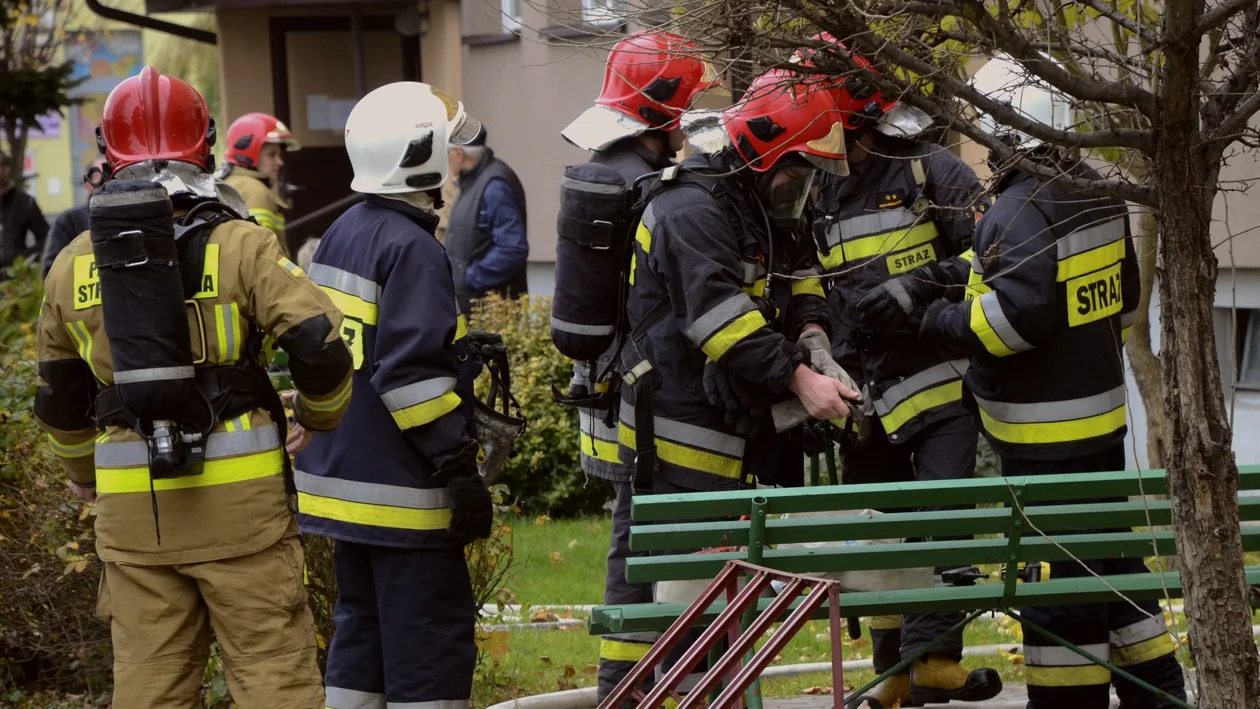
689 434
976 266
418 393
1134 633
157 374
372 493
650 637
338 698
592 187
593 426
908 387
577 329
717 316
807 273
884 220
1055 656
997 320
433 704
1127 319
1055 411
752 270
122 199
346 282
636 372
898 292
1078 242
227 444
649 217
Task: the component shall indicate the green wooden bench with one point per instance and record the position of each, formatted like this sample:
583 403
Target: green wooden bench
1028 534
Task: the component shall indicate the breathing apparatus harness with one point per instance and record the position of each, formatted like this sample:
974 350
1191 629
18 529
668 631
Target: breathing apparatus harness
151 265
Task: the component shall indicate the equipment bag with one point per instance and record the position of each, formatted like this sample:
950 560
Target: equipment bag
594 225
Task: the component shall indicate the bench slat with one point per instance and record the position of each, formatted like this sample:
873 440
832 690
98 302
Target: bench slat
943 493
648 617
678 567
913 525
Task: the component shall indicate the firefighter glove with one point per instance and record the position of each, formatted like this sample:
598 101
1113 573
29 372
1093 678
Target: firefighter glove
889 304
931 330
472 509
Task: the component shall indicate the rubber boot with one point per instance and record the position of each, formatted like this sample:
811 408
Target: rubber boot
892 692
938 680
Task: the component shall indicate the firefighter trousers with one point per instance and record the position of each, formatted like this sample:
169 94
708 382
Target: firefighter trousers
162 617
618 653
405 628
945 450
1132 638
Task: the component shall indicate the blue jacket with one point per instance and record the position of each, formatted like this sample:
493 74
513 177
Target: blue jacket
373 480
500 212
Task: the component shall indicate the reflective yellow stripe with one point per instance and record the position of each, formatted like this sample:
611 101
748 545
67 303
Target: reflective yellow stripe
267 218
83 339
644 237
1144 651
976 286
215 472
227 320
686 456
885 622
730 335
946 393
244 422
1079 676
1090 261
210 274
1054 432
1124 334
809 286
353 306
461 328
622 651
980 325
758 288
878 244
600 450
427 411
373 515
336 401
291 267
74 450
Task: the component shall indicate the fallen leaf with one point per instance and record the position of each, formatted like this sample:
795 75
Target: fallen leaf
545 660
591 669
569 671
494 644
861 642
555 557
32 570
815 691
542 520
574 544
543 614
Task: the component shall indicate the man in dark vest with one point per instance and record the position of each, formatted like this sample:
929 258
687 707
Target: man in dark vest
485 238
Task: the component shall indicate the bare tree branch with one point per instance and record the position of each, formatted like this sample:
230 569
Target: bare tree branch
1219 15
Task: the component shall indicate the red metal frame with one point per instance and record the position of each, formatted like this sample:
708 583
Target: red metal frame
730 666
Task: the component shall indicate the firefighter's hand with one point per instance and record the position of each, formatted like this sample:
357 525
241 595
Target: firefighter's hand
931 330
472 509
886 306
299 438
83 492
823 397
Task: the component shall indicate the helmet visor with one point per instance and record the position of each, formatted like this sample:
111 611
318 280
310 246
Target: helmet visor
832 166
465 131
789 198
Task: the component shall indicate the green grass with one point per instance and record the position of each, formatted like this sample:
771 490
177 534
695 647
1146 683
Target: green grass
559 562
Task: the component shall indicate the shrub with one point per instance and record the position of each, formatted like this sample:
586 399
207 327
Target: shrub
546 476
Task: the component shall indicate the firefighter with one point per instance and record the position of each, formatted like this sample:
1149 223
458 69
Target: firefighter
723 298
224 555
1052 294
892 236
634 133
253 164
397 486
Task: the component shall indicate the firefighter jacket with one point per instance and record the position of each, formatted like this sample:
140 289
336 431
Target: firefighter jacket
238 504
1054 290
598 437
908 204
375 479
702 247
265 206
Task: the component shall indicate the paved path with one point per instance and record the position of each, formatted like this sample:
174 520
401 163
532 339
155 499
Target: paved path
1012 697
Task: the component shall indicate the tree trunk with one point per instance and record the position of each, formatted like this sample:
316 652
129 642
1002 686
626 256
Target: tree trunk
1147 371
1202 474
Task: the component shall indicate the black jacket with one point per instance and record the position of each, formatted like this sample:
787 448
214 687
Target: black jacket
65 228
1053 292
19 214
908 204
702 248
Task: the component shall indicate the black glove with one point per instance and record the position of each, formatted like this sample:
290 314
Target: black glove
889 304
742 410
472 509
930 329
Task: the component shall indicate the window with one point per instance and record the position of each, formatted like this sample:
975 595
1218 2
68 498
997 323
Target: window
1244 325
511 15
602 12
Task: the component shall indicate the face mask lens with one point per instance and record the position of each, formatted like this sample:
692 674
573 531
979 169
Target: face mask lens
787 201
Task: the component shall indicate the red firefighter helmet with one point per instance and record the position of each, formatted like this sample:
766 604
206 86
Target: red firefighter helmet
786 112
859 100
153 116
650 79
247 135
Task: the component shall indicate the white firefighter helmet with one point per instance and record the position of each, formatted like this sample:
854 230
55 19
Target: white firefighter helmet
398 134
1005 80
